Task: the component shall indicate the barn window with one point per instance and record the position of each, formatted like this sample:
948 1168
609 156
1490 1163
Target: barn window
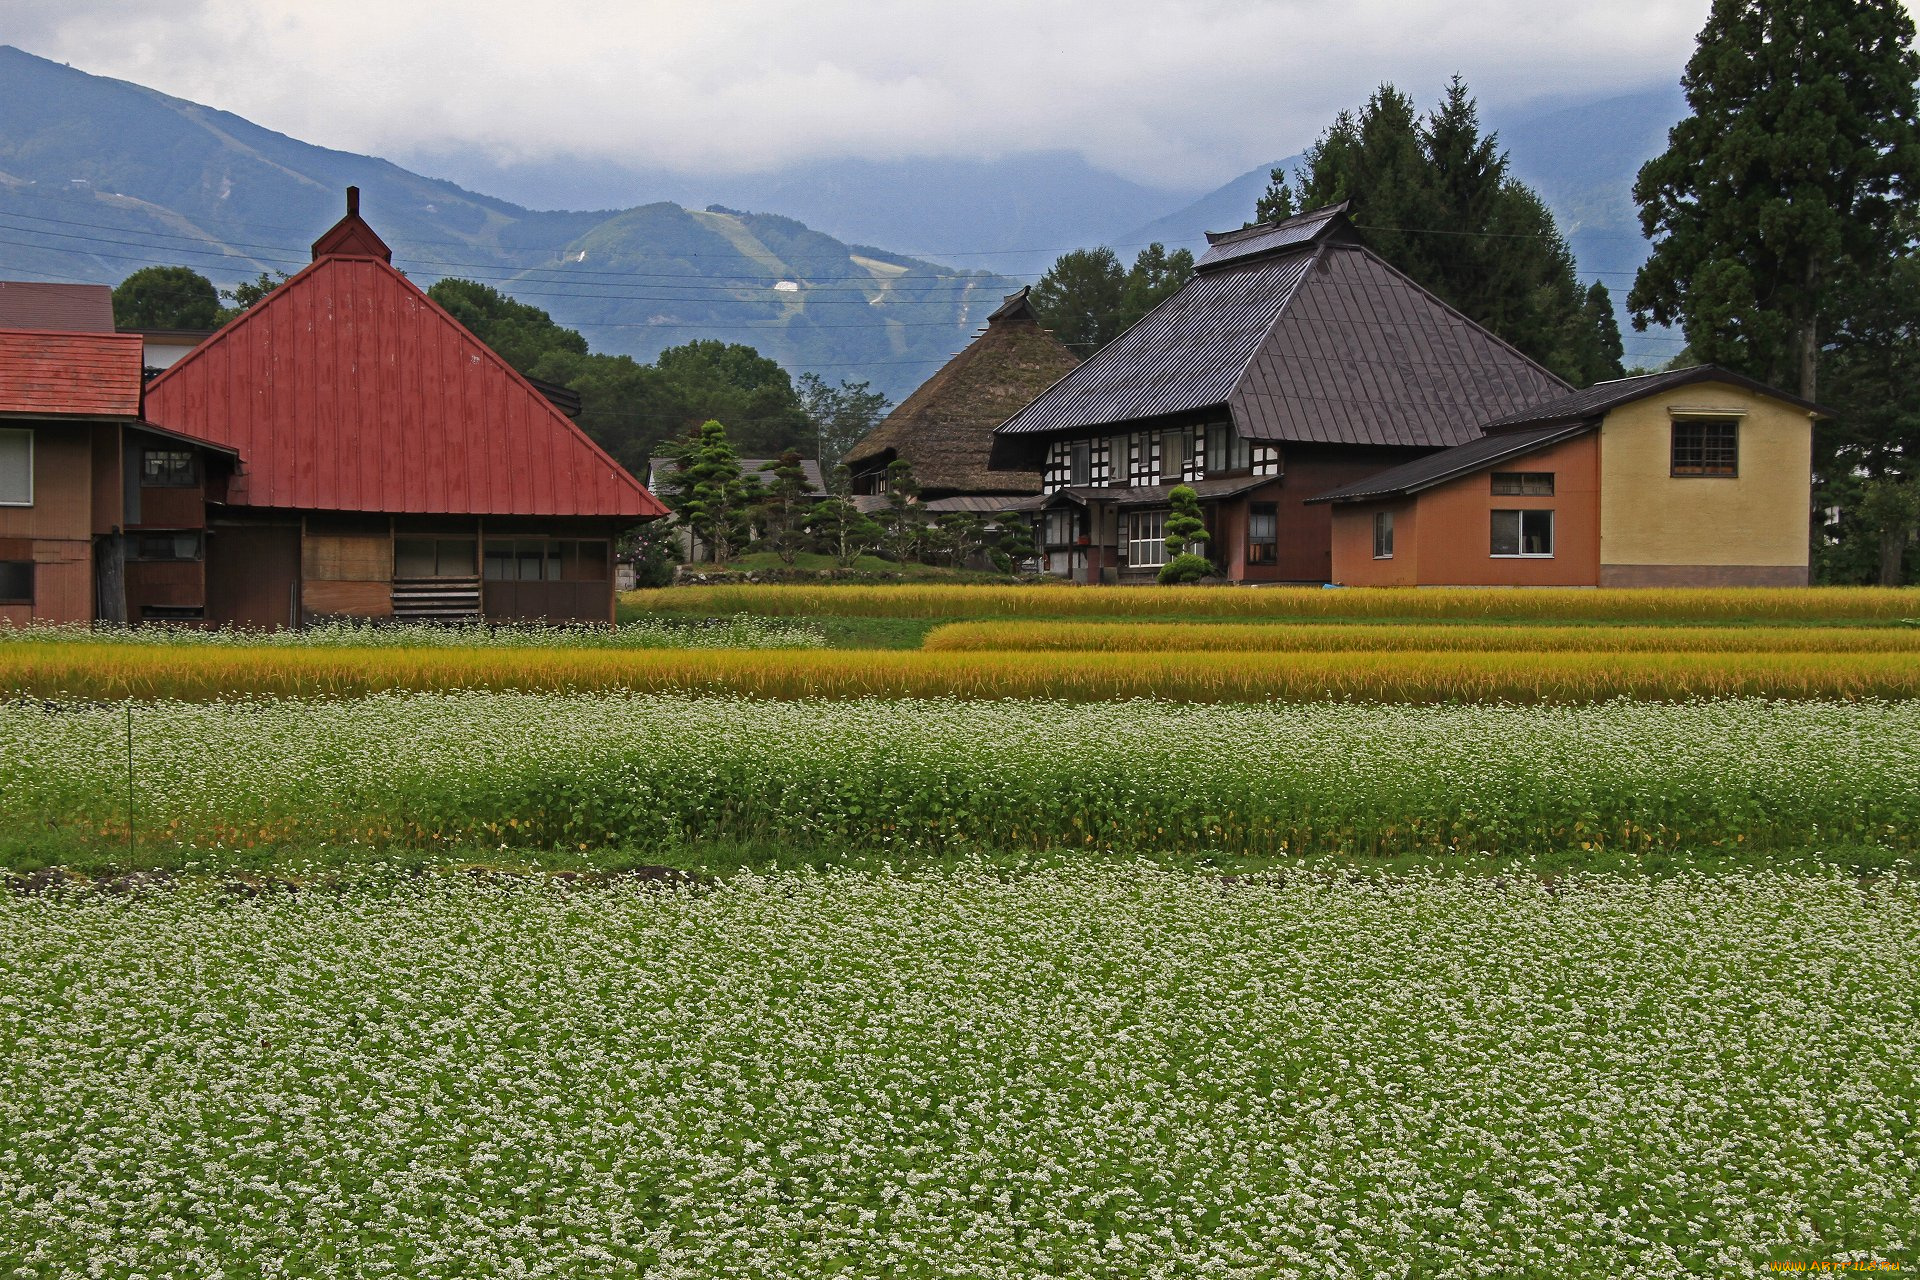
1526 484
1383 535
168 469
1263 533
1706 447
16 582
182 545
16 468
1523 533
433 557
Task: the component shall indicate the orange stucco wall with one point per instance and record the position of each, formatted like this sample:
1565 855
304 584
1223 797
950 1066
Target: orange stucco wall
1442 537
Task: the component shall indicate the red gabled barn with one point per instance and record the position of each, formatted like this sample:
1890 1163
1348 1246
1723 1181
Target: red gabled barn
391 463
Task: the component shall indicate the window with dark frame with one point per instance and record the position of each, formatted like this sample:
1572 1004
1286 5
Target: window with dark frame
169 468
1706 447
1523 484
1263 533
1523 533
161 548
1383 535
16 582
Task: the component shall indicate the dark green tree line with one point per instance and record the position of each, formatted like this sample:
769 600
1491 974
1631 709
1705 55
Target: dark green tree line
1434 196
1088 299
1784 242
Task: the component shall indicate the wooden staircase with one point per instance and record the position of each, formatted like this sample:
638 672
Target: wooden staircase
436 599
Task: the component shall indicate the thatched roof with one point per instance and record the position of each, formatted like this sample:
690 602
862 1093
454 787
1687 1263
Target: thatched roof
946 427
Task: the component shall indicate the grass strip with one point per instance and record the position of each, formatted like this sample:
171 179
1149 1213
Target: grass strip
1833 605
55 671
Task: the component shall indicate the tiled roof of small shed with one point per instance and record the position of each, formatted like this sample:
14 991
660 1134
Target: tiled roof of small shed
90 375
348 389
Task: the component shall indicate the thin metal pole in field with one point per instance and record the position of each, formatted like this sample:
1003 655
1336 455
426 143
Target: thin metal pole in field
129 782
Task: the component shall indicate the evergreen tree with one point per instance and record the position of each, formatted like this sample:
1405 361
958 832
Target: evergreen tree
904 520
709 493
846 532
1777 200
785 506
1087 299
1186 538
1013 542
166 298
1435 198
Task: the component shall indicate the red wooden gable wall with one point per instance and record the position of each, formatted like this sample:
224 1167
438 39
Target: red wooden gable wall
348 389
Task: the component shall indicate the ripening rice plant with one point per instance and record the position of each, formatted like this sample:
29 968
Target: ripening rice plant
1067 1073
1322 637
53 670
544 771
1662 605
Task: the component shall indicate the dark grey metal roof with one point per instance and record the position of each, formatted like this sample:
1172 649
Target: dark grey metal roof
1451 464
1268 237
1322 344
1603 396
1185 354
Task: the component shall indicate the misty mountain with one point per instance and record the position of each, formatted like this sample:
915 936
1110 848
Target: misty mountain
1009 215
99 177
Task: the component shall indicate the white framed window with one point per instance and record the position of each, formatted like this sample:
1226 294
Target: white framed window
1383 535
1146 539
16 468
1056 529
1173 456
1523 533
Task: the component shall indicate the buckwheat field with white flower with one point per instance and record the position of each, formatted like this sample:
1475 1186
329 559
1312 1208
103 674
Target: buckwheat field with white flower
1070 1073
1348 952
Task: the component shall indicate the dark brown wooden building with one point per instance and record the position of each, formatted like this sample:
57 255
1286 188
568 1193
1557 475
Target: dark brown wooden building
1295 361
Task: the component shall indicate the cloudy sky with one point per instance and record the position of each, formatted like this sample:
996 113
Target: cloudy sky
1168 92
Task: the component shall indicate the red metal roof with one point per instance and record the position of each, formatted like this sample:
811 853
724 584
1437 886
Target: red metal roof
348 389
47 374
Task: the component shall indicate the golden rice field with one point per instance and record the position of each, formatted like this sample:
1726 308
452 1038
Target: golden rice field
62 671
1851 605
1319 637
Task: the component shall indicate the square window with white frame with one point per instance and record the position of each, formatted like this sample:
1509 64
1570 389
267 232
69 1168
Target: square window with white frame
1526 534
1146 539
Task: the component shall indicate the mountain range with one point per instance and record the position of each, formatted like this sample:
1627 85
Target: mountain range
99 177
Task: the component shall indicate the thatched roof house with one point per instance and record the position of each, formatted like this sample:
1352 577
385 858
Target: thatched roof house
945 429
